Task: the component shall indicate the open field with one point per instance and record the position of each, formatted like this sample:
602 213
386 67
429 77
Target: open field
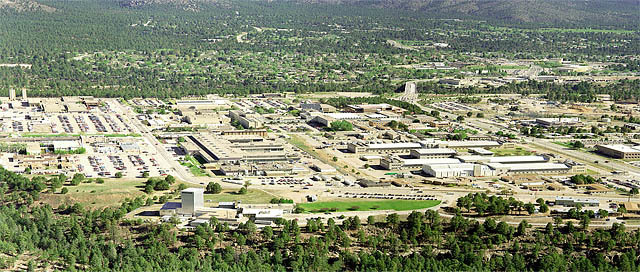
109 194
365 205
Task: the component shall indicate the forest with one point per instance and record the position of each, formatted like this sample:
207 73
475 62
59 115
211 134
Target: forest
71 237
107 49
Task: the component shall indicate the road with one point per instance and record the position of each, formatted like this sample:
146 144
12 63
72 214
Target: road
177 169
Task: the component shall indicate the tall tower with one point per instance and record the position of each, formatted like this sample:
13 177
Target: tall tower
24 94
12 94
192 200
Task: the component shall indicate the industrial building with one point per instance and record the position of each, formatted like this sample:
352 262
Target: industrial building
572 202
503 159
432 153
387 148
559 122
245 148
192 200
619 151
457 170
392 163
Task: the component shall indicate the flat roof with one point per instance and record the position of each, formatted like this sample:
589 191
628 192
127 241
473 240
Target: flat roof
193 190
430 151
344 115
395 145
622 148
503 159
451 166
431 161
529 166
470 143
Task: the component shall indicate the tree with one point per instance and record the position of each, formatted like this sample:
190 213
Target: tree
577 145
522 228
170 179
64 190
530 208
371 220
460 118
242 191
145 174
341 126
334 159
214 188
77 179
118 175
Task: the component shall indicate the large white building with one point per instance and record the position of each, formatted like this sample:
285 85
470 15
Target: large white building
457 170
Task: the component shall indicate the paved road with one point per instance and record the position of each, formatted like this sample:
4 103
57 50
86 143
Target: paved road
178 170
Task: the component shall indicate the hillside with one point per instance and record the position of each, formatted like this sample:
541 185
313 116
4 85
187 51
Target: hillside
525 11
24 5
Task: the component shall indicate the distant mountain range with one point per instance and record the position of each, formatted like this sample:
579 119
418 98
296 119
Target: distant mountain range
600 12
25 5
539 11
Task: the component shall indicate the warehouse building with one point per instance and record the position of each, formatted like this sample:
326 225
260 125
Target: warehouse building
391 163
457 170
503 159
387 148
529 168
432 153
572 202
619 151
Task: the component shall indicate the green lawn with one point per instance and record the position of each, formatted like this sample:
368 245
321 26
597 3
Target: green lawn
251 197
368 205
518 151
111 193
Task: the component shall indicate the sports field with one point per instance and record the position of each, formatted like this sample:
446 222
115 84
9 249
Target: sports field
367 205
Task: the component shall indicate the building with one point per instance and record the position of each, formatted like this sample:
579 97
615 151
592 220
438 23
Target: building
12 94
432 153
192 200
503 159
572 202
619 151
468 144
529 168
386 148
391 163
369 108
559 122
457 170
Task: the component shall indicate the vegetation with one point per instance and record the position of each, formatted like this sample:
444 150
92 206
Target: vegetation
366 205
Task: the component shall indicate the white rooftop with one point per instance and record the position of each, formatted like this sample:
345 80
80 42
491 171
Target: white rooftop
427 151
529 166
395 145
344 115
193 190
469 143
623 148
431 161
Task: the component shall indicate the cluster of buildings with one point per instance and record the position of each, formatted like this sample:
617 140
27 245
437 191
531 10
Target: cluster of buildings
191 208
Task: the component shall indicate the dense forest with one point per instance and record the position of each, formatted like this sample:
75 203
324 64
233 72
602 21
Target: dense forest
71 237
107 49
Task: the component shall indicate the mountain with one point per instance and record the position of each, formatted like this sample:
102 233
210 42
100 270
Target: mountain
549 12
24 5
525 11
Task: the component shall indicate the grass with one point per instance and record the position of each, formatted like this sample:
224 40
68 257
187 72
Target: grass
565 144
518 151
251 197
109 194
368 205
